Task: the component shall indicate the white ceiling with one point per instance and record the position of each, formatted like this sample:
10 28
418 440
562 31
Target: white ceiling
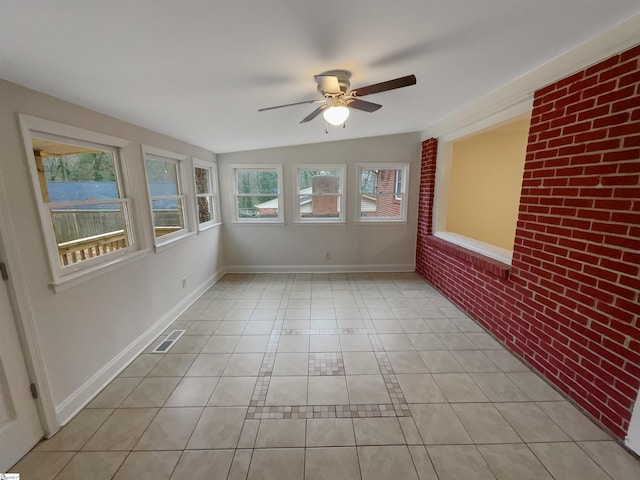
198 70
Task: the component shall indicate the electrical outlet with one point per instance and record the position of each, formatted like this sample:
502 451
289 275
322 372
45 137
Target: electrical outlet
184 282
327 256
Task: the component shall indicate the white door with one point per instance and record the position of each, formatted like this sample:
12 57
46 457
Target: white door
20 427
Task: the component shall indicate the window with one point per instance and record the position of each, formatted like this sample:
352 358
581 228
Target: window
382 192
206 200
258 194
84 210
166 194
319 195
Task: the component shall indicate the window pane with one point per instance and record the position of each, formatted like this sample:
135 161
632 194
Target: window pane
309 179
319 206
369 181
73 173
202 180
205 207
87 232
257 182
167 216
163 177
381 205
258 207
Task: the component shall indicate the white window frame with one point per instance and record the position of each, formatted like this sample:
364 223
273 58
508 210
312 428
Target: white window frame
179 160
402 195
275 167
73 274
212 168
341 194
444 164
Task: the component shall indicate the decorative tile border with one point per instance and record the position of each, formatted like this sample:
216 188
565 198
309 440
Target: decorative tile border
325 331
326 364
325 411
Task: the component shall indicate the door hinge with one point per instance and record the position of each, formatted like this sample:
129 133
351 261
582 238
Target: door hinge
34 390
3 272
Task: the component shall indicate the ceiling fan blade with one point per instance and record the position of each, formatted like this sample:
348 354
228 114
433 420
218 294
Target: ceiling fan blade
289 105
384 86
363 105
314 114
328 84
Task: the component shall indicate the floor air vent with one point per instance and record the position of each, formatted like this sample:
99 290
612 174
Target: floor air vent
168 342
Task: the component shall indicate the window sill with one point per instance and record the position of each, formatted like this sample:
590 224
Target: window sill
320 222
254 223
204 228
381 222
492 259
170 242
81 276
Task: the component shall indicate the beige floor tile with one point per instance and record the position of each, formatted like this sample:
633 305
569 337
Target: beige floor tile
291 364
531 423
349 323
290 390
76 433
322 324
141 366
536 389
381 313
416 325
384 463
277 464
94 465
173 365
467 325
336 463
364 389
206 327
238 314
406 362
330 432
259 327
243 365
505 361
440 325
221 344
393 342
566 461
113 395
190 344
426 342
459 387
485 424
456 341
203 465
249 433
294 343
410 431
355 343
440 361
498 387
360 363
439 425
170 429
122 429
613 459
459 462
231 328
387 326
378 431
324 343
264 314
192 392
281 433
233 392
41 465
513 462
484 341
252 344
422 462
573 422
151 392
208 365
474 361
148 466
240 465
327 390
420 388
320 314
218 427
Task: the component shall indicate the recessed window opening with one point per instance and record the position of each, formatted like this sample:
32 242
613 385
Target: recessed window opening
479 189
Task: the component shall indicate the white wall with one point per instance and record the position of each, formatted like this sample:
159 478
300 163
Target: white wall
86 333
302 247
633 436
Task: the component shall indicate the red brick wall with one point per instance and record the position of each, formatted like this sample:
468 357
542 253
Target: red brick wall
571 303
387 205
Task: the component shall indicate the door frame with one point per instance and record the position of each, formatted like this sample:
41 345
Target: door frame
24 319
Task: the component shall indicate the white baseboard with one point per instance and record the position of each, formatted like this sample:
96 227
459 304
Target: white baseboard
319 268
68 408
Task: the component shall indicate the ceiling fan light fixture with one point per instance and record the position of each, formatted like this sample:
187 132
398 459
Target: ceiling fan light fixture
336 115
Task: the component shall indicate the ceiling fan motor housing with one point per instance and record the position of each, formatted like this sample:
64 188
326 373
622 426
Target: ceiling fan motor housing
344 80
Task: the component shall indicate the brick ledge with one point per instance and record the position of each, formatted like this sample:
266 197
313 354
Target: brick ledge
490 265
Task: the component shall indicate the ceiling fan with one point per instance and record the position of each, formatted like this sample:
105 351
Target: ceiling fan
337 99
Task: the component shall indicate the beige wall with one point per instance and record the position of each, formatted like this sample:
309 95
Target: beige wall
485 184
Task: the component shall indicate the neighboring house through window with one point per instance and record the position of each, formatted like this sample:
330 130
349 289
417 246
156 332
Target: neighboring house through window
319 193
382 192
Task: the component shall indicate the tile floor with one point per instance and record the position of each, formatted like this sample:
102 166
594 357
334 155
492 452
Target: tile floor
329 377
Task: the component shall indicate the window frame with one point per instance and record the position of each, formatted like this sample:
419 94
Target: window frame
179 161
271 167
212 168
61 275
342 194
401 196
